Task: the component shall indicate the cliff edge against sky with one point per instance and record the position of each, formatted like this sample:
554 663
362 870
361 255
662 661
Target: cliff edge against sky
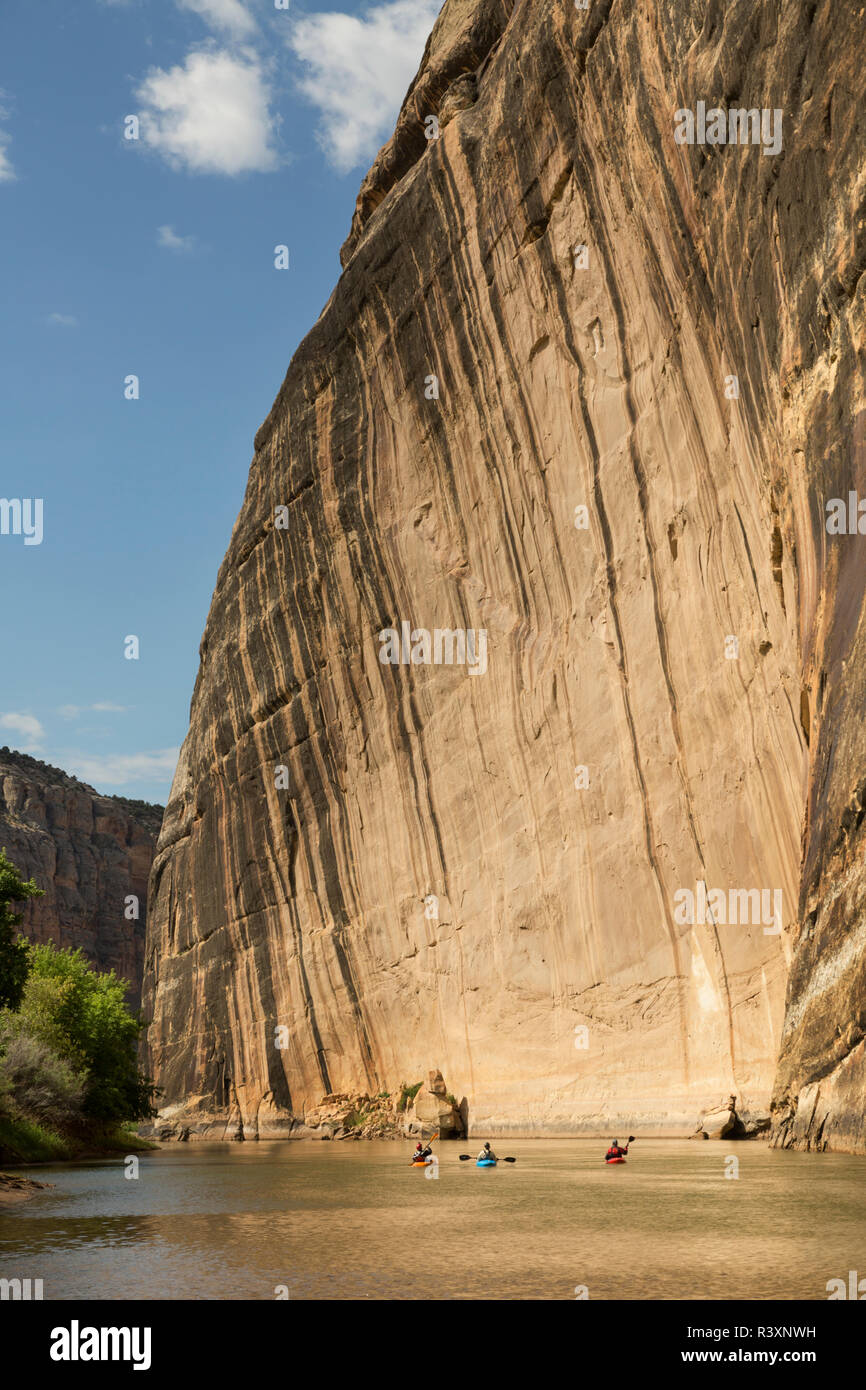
578 402
90 855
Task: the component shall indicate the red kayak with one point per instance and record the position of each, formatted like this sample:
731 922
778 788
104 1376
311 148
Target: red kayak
614 1160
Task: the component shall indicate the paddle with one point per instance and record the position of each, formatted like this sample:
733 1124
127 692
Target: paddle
464 1157
630 1140
412 1161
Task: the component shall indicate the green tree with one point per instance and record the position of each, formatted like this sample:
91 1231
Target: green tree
13 948
81 1014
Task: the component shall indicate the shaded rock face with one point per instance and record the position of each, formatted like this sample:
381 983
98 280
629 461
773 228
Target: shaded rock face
581 393
89 853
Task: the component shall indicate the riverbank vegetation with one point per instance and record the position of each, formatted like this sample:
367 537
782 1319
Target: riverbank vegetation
70 1082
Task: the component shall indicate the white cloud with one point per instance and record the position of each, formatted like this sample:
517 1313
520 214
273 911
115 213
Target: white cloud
63 320
168 237
102 706
118 769
227 15
7 173
28 727
359 71
210 116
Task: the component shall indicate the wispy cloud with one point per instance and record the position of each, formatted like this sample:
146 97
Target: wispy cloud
358 71
168 237
101 707
27 726
119 769
63 320
7 173
211 115
227 16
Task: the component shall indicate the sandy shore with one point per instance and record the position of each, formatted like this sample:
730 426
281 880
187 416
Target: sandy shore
15 1188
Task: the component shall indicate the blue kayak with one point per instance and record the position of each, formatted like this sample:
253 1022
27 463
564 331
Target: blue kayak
486 1162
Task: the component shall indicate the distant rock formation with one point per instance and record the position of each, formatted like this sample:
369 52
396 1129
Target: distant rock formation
723 1121
570 418
421 1110
435 1111
90 854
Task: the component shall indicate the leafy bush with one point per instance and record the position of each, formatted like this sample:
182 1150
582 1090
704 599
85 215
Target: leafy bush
81 1015
408 1094
34 1081
68 1045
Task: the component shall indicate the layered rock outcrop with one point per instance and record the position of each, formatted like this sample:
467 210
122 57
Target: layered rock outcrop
577 403
89 853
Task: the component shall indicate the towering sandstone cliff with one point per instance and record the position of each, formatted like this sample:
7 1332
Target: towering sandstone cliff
488 869
88 853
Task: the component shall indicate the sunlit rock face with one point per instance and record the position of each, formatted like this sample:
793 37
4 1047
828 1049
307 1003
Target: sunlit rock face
90 855
570 418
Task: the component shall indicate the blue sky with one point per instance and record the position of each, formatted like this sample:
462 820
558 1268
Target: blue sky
155 257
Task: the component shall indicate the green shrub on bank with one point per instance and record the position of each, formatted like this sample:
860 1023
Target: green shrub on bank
34 1080
69 1073
408 1094
25 1141
80 1014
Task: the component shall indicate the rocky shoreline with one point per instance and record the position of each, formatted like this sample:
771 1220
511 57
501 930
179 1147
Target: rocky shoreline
15 1188
412 1111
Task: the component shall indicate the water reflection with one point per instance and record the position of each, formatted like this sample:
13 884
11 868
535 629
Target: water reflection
355 1222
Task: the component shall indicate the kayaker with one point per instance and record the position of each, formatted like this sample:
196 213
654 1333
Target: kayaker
421 1151
615 1151
487 1152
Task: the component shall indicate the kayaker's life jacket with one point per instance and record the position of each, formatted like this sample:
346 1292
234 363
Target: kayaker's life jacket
614 1151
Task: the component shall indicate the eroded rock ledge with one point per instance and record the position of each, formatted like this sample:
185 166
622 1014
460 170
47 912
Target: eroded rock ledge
418 1111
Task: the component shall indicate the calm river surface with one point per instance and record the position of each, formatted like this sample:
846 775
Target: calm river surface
354 1221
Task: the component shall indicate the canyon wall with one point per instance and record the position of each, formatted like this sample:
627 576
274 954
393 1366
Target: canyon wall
88 853
580 393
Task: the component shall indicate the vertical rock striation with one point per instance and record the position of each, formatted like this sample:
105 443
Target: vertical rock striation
583 389
88 853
